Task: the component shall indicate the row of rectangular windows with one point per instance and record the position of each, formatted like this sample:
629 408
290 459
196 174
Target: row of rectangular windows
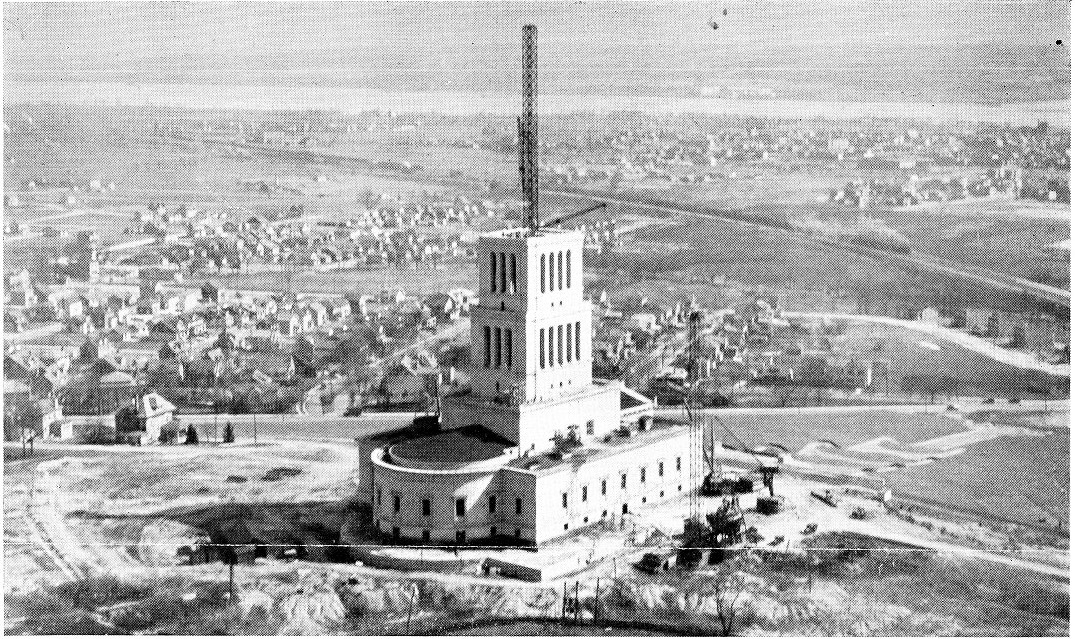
624 509
623 481
556 271
556 349
498 347
460 504
502 273
460 535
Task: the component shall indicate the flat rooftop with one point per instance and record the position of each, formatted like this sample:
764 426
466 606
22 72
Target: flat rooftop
458 446
550 462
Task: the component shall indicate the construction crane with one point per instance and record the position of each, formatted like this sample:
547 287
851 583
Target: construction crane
528 174
528 139
571 216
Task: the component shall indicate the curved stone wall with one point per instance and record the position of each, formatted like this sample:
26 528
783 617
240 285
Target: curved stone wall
488 504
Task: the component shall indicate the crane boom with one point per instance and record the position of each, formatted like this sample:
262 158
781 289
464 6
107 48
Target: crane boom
571 216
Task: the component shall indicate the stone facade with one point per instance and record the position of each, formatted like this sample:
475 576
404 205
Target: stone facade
531 386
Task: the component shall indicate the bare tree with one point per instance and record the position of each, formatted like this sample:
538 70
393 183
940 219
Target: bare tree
728 589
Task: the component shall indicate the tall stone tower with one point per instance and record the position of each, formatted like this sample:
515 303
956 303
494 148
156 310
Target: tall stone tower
531 330
531 354
531 358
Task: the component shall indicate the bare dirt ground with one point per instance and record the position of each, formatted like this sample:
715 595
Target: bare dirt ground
85 512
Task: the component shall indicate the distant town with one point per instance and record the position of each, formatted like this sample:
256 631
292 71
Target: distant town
149 309
379 372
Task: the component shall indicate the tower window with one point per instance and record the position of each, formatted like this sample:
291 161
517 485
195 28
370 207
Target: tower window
492 272
395 503
560 344
660 469
514 281
563 498
425 535
496 346
488 346
507 346
584 492
425 508
503 274
578 340
518 505
623 481
492 503
568 260
552 273
589 427
379 495
460 506
679 464
541 347
560 270
642 475
604 486
542 272
552 350
569 342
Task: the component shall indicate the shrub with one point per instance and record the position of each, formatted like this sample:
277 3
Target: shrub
92 592
276 474
74 623
99 434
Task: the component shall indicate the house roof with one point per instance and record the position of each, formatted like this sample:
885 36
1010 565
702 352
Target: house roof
153 405
117 378
16 387
13 370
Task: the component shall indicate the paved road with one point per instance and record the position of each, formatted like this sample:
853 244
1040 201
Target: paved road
331 428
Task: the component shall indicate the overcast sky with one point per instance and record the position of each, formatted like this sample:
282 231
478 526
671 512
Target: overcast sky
474 46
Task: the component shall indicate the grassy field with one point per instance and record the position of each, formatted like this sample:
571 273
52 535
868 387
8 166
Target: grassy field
977 374
1009 236
795 430
1025 479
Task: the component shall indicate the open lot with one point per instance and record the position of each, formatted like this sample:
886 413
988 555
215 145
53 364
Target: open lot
84 512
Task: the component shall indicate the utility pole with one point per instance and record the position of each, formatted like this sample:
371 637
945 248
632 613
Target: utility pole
576 604
410 608
596 600
231 582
